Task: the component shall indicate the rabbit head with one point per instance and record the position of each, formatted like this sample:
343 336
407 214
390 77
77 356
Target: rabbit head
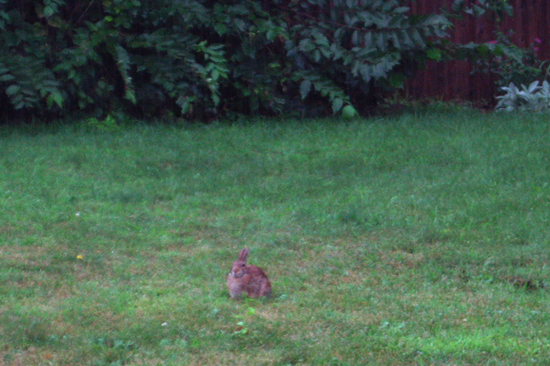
239 266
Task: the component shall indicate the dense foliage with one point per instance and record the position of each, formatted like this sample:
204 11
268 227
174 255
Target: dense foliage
513 64
200 59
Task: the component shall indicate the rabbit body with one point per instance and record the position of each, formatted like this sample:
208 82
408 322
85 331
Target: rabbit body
247 278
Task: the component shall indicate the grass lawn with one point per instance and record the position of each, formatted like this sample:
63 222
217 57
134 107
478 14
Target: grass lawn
420 239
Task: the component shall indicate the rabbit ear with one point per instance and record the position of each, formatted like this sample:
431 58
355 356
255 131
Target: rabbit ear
244 254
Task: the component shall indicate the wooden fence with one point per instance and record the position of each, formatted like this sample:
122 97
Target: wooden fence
454 80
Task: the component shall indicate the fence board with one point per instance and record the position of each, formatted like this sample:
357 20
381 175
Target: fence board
453 80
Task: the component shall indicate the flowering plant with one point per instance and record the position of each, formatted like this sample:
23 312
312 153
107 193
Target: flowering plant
510 63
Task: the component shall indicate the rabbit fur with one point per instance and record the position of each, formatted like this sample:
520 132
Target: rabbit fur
248 279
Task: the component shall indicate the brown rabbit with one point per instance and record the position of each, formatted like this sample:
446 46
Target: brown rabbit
247 278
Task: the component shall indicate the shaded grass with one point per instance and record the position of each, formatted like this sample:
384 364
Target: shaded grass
406 240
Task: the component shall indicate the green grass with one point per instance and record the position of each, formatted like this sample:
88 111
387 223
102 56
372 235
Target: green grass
420 239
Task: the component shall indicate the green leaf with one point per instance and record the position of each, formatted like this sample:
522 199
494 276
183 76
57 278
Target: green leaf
215 74
395 40
305 88
381 41
130 95
317 55
185 103
48 11
417 38
12 90
271 35
434 54
355 38
348 112
6 77
50 100
58 99
306 46
215 99
337 104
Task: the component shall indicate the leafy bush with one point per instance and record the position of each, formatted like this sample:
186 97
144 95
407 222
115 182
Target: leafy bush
496 8
510 63
535 97
140 53
202 58
344 49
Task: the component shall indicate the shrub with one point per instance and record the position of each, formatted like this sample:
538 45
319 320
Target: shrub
348 49
535 97
510 63
202 58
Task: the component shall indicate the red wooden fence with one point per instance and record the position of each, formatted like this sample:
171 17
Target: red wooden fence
453 80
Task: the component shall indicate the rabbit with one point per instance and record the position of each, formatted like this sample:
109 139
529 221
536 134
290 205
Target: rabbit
247 278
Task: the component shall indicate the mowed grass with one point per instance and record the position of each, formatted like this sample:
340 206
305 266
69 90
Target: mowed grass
420 239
